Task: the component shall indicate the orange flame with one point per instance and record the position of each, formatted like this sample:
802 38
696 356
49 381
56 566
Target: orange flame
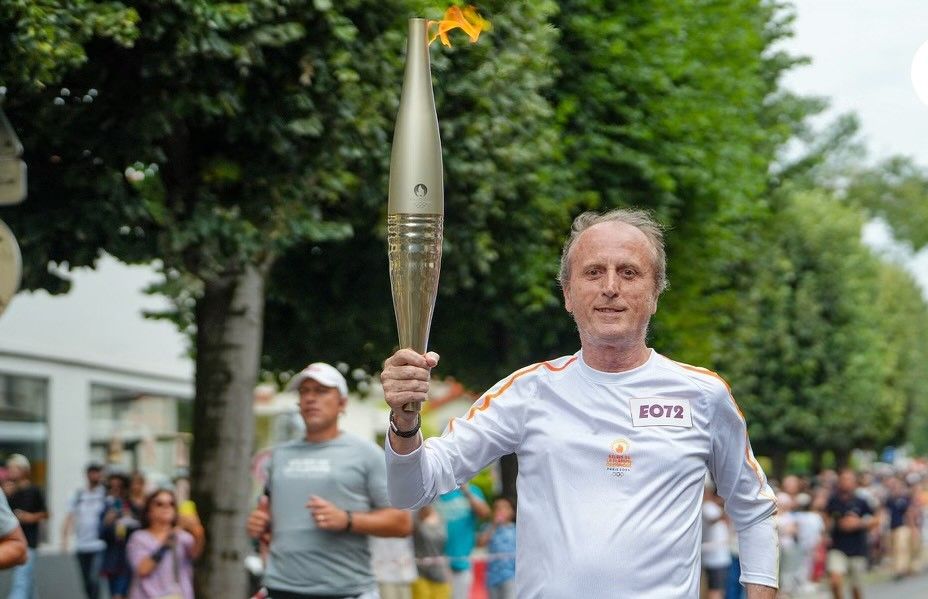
468 20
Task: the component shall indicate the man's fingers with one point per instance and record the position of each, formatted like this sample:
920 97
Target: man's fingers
432 359
405 386
397 400
403 373
406 357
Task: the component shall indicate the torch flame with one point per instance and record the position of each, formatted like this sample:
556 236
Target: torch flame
468 20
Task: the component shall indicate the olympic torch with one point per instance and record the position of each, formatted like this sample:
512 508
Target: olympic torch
416 207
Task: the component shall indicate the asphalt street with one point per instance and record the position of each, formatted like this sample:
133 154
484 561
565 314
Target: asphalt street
57 577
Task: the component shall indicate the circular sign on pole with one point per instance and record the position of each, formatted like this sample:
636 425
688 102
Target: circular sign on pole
11 266
920 72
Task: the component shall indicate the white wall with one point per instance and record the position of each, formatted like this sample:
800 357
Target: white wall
95 334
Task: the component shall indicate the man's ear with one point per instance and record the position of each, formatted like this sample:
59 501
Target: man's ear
567 303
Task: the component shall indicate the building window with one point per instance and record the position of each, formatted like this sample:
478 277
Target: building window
24 421
133 430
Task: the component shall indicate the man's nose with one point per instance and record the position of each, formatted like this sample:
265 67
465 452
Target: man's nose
611 284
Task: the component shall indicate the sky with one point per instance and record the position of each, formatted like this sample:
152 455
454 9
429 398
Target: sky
862 53
861 50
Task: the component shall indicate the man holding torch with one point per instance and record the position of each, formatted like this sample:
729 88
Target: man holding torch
614 442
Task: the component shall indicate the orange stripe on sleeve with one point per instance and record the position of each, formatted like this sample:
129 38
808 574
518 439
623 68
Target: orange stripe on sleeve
489 397
758 471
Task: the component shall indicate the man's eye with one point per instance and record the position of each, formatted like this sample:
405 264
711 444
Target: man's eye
629 272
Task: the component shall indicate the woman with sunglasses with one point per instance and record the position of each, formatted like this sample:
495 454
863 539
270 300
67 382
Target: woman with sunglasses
162 552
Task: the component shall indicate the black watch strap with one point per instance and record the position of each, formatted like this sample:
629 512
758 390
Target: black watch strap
405 434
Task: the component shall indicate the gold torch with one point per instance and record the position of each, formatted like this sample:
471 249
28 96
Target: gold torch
416 209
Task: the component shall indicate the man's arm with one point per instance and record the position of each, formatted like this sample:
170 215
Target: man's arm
66 530
382 522
477 503
13 549
749 500
405 379
418 471
759 591
25 517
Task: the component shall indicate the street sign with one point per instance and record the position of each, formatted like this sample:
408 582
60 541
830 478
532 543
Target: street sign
11 266
12 169
12 181
10 146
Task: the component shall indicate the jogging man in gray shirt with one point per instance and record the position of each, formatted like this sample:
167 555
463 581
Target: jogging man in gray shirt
324 495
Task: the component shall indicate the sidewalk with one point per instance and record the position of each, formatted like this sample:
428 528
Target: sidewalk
878 583
56 577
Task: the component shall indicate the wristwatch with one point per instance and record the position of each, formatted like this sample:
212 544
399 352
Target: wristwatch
405 434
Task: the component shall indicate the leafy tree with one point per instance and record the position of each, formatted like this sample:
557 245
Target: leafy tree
805 346
647 111
897 191
44 40
903 315
504 222
222 135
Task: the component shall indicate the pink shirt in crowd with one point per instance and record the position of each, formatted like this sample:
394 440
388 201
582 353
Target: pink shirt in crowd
161 581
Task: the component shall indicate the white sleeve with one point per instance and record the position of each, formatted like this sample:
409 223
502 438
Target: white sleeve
749 500
491 429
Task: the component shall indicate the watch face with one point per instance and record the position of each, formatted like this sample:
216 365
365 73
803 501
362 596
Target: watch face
10 266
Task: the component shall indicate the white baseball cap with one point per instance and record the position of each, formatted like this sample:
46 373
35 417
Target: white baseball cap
322 373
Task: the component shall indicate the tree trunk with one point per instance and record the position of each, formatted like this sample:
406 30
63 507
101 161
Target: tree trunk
230 318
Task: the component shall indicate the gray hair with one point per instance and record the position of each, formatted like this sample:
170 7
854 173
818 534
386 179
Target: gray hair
18 460
640 219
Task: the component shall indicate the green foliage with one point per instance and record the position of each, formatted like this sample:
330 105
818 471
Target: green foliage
44 40
664 103
225 134
806 347
903 315
505 218
669 105
897 191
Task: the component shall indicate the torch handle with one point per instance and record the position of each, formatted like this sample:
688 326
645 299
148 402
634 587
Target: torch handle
414 250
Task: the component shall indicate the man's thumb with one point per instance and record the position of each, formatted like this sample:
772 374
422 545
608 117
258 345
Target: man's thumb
264 503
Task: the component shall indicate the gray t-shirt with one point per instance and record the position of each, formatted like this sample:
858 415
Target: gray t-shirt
87 506
8 522
350 473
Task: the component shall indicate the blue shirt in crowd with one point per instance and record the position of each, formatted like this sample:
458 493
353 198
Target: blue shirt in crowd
461 522
502 548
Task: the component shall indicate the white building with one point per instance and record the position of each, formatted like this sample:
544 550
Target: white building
84 376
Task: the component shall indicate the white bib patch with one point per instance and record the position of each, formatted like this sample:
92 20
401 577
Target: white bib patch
661 411
306 467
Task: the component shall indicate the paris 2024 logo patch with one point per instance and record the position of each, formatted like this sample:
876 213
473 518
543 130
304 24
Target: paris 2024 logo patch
619 461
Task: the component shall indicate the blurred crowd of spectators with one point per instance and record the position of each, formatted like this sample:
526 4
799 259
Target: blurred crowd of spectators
834 528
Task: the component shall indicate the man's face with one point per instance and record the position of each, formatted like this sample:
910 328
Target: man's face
94 477
319 405
791 485
611 291
15 473
847 482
